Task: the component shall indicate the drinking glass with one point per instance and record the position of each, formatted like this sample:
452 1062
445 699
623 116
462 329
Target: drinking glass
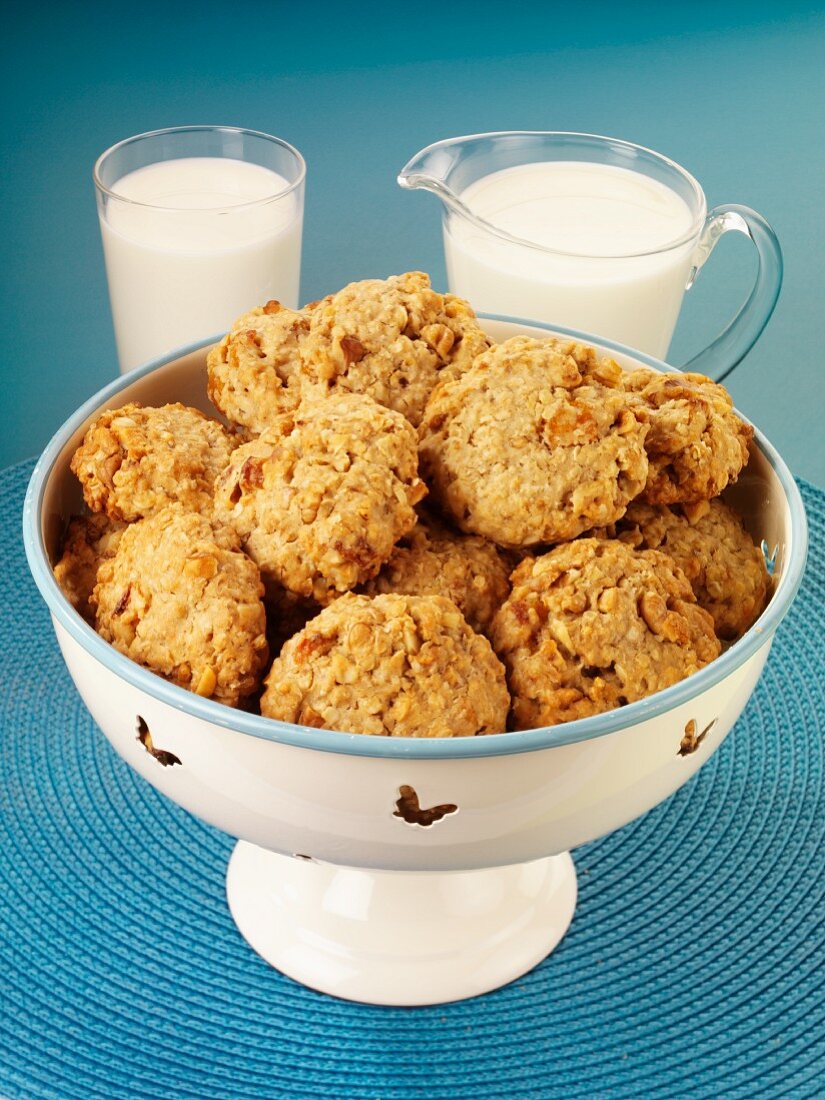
199 224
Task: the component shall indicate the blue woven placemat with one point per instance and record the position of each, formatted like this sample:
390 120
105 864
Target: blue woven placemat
694 966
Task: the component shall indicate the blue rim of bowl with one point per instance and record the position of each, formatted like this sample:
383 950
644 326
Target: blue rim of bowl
334 741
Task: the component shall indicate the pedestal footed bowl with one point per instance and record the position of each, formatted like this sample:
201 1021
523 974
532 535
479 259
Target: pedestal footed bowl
400 870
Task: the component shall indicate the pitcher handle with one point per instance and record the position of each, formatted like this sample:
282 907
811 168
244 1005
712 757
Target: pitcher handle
732 345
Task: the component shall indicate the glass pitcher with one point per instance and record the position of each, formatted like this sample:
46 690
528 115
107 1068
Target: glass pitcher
588 232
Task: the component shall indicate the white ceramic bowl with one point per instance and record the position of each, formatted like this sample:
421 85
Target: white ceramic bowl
315 810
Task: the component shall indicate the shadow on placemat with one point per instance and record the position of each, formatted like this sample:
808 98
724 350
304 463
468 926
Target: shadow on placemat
694 966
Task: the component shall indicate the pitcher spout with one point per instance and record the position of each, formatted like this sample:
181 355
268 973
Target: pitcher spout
429 167
433 168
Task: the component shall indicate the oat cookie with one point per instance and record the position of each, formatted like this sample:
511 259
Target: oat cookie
136 460
696 444
712 548
396 666
180 598
322 496
433 561
392 339
594 624
89 540
531 443
254 373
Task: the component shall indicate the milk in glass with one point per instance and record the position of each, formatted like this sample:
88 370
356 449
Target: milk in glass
595 220
202 240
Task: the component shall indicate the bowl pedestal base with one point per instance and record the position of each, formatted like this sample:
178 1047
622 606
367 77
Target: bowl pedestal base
399 937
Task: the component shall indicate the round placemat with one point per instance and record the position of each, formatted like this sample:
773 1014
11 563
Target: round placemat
694 966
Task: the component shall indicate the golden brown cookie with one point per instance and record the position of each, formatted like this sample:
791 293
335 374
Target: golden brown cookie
395 666
392 339
180 598
592 625
322 496
134 461
254 373
434 561
531 443
89 540
712 548
696 444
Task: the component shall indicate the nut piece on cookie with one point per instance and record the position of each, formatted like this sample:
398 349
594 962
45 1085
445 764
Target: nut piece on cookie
709 543
395 666
392 339
696 444
89 540
433 561
136 460
254 372
592 625
322 496
531 443
180 598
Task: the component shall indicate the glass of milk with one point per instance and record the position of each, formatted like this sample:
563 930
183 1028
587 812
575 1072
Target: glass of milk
199 224
590 233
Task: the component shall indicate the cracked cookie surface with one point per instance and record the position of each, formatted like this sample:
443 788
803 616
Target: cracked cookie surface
531 443
180 598
709 543
89 540
594 624
393 666
392 339
321 497
254 373
696 444
136 460
434 561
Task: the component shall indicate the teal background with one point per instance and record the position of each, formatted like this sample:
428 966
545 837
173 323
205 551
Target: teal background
735 93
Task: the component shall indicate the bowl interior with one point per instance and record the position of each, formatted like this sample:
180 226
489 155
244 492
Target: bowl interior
765 496
758 496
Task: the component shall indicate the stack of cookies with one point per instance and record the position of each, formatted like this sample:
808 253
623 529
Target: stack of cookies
572 554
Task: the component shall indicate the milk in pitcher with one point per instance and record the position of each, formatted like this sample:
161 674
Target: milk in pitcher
609 250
